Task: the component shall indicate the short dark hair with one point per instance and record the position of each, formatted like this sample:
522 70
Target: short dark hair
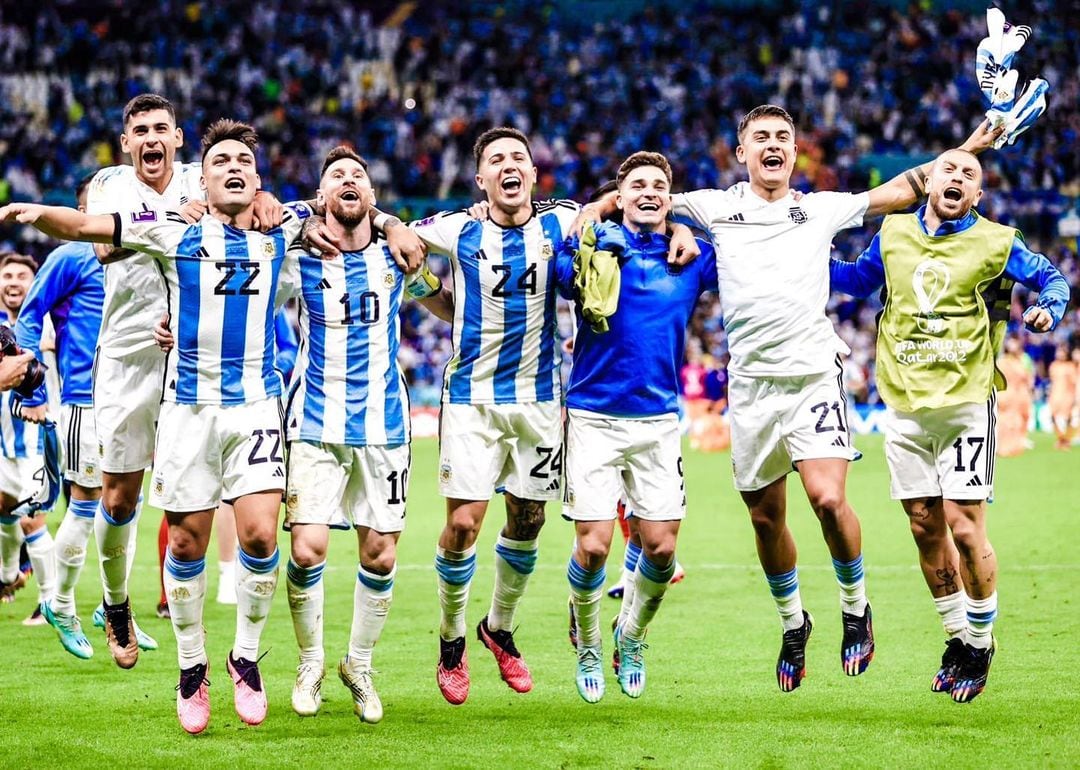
494 134
609 186
224 129
764 111
14 258
145 103
643 158
339 152
82 184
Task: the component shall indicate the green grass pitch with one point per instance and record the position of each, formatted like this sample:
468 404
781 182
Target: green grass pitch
711 700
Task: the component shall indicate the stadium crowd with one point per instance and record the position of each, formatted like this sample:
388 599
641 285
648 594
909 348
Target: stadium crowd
869 88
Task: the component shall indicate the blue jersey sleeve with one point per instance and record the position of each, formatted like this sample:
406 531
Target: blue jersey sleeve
1038 274
49 288
710 281
286 343
862 277
564 267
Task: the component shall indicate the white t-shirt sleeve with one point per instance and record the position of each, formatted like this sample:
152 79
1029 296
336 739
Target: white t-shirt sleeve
152 231
289 284
107 190
843 210
700 208
441 231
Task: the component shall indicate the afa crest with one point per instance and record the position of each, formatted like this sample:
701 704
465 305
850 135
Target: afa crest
798 216
445 472
268 247
547 250
389 279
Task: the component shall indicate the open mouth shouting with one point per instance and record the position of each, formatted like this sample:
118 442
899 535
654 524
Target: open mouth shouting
650 206
773 162
153 159
511 185
953 194
235 184
350 195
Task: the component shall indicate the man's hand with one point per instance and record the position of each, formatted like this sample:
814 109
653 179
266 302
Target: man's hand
1038 319
683 248
163 335
13 368
35 414
317 238
479 210
193 211
23 213
406 247
268 211
982 138
590 214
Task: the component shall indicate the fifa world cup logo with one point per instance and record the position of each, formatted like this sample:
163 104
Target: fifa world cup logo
930 282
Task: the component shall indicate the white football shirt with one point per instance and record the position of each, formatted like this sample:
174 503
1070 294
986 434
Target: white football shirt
134 288
772 261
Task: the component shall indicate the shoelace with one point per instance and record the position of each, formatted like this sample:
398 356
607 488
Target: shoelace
119 612
249 672
191 679
590 660
450 653
630 651
505 640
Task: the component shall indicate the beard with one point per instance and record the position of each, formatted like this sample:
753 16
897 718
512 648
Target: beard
350 217
944 215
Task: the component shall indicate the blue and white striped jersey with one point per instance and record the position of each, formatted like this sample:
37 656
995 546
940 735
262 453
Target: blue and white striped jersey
221 287
17 437
506 347
348 388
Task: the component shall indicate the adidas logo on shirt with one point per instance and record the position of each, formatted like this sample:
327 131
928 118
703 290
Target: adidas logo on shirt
736 218
323 284
974 481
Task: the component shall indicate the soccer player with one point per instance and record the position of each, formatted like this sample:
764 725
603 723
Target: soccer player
1015 401
622 432
220 433
129 368
21 461
948 275
1062 395
69 290
786 401
348 430
500 426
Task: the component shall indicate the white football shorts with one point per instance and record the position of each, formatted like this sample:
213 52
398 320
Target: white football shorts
82 464
515 448
127 401
608 457
779 421
21 477
207 453
947 452
342 486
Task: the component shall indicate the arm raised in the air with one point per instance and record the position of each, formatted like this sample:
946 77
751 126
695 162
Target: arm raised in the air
903 190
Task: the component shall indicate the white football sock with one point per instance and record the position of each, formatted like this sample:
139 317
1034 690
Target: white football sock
371 604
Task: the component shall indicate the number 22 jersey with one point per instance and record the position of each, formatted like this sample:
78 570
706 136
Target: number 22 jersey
221 285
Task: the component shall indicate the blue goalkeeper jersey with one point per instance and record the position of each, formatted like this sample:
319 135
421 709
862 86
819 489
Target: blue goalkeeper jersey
69 287
632 370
